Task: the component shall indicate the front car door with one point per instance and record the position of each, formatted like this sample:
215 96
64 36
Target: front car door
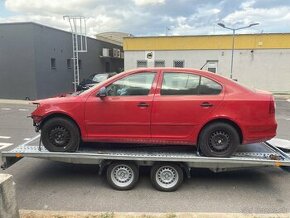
183 101
124 114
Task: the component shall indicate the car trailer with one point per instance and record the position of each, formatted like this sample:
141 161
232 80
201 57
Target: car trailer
168 164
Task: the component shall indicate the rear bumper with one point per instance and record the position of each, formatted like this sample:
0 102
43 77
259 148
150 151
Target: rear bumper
259 133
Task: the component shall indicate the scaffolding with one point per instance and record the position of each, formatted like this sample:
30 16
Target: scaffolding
79 43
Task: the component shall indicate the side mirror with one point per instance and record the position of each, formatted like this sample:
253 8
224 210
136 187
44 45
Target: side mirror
102 92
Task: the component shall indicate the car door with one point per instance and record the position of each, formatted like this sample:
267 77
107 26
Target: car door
125 112
183 101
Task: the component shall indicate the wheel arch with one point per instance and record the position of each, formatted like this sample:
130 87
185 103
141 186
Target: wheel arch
224 120
63 115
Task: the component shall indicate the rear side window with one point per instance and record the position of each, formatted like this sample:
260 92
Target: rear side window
209 87
188 84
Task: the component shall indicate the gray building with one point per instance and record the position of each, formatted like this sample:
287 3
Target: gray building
35 60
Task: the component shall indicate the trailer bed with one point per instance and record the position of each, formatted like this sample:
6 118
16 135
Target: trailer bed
251 155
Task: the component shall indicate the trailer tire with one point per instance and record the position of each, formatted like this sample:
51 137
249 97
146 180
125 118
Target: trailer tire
60 134
218 140
122 175
166 177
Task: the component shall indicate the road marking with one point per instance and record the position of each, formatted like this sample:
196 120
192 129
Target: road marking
287 119
5 144
288 100
27 142
22 109
4 137
5 109
26 139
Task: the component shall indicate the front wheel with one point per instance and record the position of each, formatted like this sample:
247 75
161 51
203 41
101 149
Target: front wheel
60 135
218 140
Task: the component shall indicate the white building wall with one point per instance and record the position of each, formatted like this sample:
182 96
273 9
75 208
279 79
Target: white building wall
267 69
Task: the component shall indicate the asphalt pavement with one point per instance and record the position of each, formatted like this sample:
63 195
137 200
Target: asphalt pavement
43 184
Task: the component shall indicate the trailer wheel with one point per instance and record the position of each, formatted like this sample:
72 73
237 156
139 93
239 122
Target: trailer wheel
218 140
166 177
122 175
60 135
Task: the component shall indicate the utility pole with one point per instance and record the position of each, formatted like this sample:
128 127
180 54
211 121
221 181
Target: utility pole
233 40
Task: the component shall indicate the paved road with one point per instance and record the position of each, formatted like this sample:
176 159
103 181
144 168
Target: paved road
50 185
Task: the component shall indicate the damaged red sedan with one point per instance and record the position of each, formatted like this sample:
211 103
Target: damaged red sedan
159 106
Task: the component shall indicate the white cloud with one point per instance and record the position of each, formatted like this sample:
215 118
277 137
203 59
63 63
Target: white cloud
247 4
249 15
151 17
148 2
49 6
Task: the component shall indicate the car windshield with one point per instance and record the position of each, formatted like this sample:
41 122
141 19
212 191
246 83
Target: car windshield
100 77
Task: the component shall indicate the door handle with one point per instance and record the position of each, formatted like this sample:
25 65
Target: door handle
143 104
206 104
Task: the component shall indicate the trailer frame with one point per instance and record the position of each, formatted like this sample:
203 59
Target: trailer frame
265 154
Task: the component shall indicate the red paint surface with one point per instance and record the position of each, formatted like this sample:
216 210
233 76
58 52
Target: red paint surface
167 119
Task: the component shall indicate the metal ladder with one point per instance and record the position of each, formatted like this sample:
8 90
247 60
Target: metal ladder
79 43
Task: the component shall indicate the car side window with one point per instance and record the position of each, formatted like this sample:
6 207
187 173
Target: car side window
209 87
180 84
188 84
133 85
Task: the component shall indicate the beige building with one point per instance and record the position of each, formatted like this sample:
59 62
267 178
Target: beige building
261 61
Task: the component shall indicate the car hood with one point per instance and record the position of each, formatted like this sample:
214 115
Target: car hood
55 100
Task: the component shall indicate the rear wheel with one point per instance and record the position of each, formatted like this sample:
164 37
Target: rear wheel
60 135
122 175
166 177
218 140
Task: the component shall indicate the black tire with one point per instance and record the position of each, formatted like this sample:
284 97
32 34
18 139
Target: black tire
59 134
218 140
166 177
122 175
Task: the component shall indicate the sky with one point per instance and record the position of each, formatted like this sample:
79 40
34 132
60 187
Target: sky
154 17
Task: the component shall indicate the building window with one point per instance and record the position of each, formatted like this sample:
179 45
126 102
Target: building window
212 66
211 69
159 63
68 63
52 63
178 63
80 64
141 63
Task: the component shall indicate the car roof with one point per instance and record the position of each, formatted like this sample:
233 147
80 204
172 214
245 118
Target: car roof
180 70
211 75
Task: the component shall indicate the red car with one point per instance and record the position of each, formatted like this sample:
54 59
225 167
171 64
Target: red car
159 106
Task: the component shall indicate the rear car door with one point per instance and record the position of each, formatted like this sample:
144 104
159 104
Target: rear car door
183 102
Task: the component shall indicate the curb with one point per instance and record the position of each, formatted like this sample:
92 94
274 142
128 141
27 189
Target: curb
12 101
282 96
79 214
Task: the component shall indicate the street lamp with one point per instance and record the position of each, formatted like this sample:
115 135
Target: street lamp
233 42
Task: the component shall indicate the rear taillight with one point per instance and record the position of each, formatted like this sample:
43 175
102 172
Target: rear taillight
272 106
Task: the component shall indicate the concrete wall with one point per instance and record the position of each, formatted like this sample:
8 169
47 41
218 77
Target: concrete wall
267 69
8 204
17 69
50 43
53 43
